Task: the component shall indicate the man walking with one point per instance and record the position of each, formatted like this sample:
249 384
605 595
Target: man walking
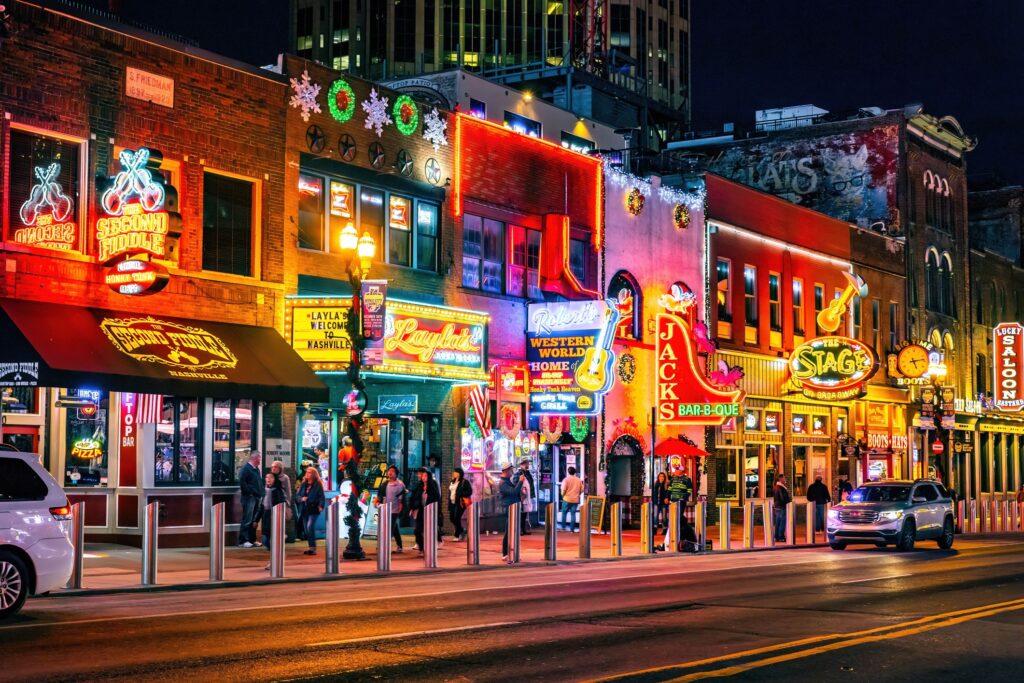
392 490
818 494
250 483
510 490
531 491
781 498
423 494
572 489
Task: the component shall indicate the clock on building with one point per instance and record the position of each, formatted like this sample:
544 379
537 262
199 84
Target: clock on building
912 361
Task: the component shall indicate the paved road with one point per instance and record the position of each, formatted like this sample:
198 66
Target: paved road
808 614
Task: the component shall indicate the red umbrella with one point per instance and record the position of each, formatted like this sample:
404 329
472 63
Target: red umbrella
680 446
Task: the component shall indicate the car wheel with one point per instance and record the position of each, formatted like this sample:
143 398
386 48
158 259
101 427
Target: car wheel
837 546
906 539
13 584
946 539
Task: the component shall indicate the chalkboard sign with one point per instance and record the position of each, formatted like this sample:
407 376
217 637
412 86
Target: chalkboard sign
596 511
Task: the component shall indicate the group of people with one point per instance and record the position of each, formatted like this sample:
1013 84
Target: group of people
426 491
676 488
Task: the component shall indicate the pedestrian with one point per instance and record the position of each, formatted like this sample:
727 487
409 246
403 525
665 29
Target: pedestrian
529 491
572 491
818 494
781 498
660 497
845 487
312 500
677 490
252 492
460 496
392 490
273 494
423 494
277 467
510 492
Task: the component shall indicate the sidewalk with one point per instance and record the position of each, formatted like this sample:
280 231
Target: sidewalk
116 568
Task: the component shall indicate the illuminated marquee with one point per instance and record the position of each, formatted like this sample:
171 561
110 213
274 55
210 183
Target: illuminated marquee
189 351
832 368
46 214
1009 350
136 220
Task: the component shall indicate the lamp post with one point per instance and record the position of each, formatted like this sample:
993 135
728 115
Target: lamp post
937 371
360 252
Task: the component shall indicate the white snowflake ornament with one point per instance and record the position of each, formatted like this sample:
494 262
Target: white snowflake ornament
376 109
434 127
305 95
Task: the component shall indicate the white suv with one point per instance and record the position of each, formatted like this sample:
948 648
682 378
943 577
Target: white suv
893 512
35 550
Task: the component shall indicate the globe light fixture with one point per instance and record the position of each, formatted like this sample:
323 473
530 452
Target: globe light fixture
349 237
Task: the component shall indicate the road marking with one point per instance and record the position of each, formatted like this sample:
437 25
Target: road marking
440 591
412 634
923 621
878 578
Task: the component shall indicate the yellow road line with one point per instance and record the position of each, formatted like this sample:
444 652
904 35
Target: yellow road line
1011 604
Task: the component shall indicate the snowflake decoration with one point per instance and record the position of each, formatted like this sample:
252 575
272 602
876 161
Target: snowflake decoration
306 92
434 129
376 109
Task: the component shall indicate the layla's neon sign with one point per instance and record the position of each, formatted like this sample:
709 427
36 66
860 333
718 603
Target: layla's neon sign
408 338
136 221
47 229
833 368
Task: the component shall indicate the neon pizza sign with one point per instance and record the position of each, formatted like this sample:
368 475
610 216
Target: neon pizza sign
47 214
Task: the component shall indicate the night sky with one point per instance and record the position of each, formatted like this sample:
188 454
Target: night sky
957 57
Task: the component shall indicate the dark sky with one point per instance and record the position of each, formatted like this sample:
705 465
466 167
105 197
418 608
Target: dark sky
963 58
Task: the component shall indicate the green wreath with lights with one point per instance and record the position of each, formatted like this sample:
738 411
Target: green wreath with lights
579 427
341 100
407 115
680 217
635 201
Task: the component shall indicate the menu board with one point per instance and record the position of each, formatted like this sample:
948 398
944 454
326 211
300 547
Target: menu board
596 512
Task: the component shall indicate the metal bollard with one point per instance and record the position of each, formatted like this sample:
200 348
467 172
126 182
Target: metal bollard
277 519
1016 514
646 530
972 519
550 533
584 539
961 515
993 515
217 542
616 530
150 543
384 537
1005 514
77 534
513 532
768 520
675 527
700 524
430 536
332 542
748 524
724 525
809 529
790 523
473 534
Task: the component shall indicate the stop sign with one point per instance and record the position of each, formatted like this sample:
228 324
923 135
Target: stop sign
937 447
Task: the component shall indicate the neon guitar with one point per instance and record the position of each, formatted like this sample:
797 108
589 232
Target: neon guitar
830 317
591 373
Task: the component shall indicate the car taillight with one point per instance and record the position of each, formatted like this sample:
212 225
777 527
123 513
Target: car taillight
62 513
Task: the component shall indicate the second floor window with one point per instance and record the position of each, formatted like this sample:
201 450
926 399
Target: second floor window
750 295
483 256
819 304
724 298
227 224
798 307
775 302
524 264
894 325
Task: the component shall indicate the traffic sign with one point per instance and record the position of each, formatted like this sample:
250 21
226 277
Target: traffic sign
937 447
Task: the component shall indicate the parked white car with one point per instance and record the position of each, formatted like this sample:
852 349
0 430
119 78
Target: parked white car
36 555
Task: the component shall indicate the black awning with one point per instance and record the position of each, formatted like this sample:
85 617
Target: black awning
120 351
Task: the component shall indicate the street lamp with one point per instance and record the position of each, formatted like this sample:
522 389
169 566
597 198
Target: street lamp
937 371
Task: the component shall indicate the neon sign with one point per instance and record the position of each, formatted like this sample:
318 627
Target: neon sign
133 277
187 350
134 203
45 214
832 368
1009 350
87 449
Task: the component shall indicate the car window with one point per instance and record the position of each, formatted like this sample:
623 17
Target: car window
880 494
943 493
926 491
18 481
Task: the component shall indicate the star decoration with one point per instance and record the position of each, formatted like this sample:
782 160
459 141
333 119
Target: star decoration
315 139
347 147
404 163
306 92
433 171
434 127
376 109
376 155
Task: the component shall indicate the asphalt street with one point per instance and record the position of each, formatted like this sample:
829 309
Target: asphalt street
803 614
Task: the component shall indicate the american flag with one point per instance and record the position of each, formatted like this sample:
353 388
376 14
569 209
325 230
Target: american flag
481 403
150 407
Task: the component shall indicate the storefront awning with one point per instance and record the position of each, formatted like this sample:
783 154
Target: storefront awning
121 351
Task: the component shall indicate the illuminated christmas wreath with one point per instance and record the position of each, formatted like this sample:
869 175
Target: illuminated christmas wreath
579 427
341 100
680 217
551 428
635 201
627 367
407 115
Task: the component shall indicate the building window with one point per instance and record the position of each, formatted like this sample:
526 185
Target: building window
426 236
399 231
178 446
819 303
857 316
876 324
371 215
311 212
494 256
894 325
724 295
227 224
522 125
576 143
524 263
625 292
578 260
232 439
798 307
477 108
472 251
946 284
750 298
619 35
774 302
86 440
33 215
980 373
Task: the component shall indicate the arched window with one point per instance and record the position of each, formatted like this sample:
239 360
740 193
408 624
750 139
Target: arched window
946 284
935 337
931 279
624 290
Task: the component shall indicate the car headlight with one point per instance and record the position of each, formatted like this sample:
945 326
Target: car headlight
891 515
833 514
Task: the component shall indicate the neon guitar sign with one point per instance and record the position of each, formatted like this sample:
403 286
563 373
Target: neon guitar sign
136 221
47 229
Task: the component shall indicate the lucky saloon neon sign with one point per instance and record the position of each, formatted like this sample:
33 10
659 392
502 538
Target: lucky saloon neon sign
46 214
136 220
1009 350
685 395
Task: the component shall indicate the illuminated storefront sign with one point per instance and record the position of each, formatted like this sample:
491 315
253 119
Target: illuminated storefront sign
373 295
418 339
832 368
512 379
134 277
136 220
1008 339
87 449
48 214
568 350
909 364
189 351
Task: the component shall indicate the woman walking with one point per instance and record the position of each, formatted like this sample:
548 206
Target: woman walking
661 501
311 502
460 494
